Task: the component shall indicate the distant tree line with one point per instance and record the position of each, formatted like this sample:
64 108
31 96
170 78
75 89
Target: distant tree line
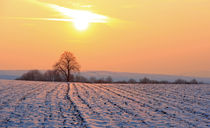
146 80
53 75
62 70
67 65
36 75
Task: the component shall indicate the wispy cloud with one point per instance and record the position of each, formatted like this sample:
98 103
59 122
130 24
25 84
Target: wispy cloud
40 19
59 13
69 14
80 14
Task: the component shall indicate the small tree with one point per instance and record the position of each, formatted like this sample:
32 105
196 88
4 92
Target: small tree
52 75
66 65
35 75
132 81
145 80
101 80
109 79
193 81
180 81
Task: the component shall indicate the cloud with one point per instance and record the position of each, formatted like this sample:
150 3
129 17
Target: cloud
68 14
80 14
45 11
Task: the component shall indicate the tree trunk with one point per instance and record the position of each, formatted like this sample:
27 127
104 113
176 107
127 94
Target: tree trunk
68 76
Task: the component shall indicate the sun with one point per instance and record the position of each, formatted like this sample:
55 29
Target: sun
80 18
81 24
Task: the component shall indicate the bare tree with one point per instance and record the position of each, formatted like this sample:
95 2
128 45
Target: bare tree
193 81
180 81
145 80
52 75
66 65
109 79
35 75
132 81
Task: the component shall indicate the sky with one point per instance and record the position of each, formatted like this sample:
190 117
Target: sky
142 36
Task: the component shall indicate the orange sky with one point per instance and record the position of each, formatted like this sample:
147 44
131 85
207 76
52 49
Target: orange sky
146 36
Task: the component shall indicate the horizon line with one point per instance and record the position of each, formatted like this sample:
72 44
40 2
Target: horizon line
181 75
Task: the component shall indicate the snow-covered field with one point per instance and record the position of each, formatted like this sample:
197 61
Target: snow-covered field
45 104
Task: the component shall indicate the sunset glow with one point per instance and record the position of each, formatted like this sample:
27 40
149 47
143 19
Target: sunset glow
81 18
155 36
104 63
80 24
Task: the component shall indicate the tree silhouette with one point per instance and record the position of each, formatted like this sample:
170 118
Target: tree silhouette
52 75
145 80
109 79
35 75
66 65
131 81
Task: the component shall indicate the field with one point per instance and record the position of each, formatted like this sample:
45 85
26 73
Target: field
45 104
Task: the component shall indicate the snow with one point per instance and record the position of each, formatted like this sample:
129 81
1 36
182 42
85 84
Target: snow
53 104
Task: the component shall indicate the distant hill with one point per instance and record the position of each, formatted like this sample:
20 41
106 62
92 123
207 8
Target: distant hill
117 76
11 74
126 76
8 77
